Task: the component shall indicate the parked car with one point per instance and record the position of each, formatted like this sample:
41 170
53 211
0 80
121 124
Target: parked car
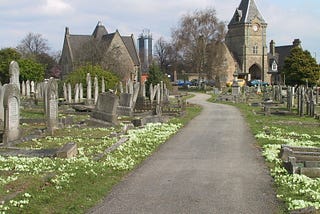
257 82
182 83
241 83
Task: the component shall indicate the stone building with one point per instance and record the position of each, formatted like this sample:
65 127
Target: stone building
246 40
110 50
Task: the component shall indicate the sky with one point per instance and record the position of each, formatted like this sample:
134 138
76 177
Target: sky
287 19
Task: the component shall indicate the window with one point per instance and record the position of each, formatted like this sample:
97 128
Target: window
274 66
255 49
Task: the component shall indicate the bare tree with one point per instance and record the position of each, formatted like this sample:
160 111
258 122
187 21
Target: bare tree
162 49
33 44
193 36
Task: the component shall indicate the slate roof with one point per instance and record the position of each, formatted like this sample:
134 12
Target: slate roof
76 42
284 51
129 43
99 31
247 11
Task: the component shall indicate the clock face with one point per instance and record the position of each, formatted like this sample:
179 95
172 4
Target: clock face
255 27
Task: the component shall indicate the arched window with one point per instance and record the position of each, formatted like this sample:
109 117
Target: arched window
255 49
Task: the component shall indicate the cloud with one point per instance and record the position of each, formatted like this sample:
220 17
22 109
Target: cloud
55 7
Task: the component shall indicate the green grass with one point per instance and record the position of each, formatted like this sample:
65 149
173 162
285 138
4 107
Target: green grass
65 185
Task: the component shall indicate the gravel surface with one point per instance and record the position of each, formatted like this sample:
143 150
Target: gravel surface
210 166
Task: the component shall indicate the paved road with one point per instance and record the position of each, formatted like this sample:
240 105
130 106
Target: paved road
210 166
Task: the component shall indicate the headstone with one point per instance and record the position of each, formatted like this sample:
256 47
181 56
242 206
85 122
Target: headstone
81 92
89 95
11 104
69 93
32 90
76 93
28 89
106 108
23 89
65 92
96 89
121 88
44 95
1 107
103 85
52 105
68 150
125 105
14 73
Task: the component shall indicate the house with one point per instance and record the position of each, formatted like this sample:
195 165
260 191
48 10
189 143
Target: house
109 50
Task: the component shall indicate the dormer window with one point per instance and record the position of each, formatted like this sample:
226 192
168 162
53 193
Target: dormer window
274 66
238 15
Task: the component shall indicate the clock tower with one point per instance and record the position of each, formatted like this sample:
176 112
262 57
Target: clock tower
246 40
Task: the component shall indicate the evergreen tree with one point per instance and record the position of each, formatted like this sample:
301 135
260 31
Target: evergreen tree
301 68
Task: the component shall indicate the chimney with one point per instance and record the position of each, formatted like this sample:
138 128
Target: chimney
67 31
296 43
272 48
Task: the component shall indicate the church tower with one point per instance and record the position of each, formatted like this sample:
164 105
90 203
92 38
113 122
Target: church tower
246 40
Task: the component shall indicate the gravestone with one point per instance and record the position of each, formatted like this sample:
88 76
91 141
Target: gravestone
96 89
52 105
28 89
11 104
14 73
76 93
81 92
121 88
1 107
103 85
23 88
32 90
89 94
69 93
65 92
106 108
125 105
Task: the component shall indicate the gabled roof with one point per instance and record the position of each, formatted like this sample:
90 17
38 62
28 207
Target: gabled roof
246 12
101 39
129 43
284 51
99 31
76 45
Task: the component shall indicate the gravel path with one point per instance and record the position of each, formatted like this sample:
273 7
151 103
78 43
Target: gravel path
210 166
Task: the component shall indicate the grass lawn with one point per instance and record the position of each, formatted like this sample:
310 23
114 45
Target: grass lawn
44 185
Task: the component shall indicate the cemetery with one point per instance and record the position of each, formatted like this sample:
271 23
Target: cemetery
285 122
44 129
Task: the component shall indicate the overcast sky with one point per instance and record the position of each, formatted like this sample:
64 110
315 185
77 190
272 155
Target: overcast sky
287 19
